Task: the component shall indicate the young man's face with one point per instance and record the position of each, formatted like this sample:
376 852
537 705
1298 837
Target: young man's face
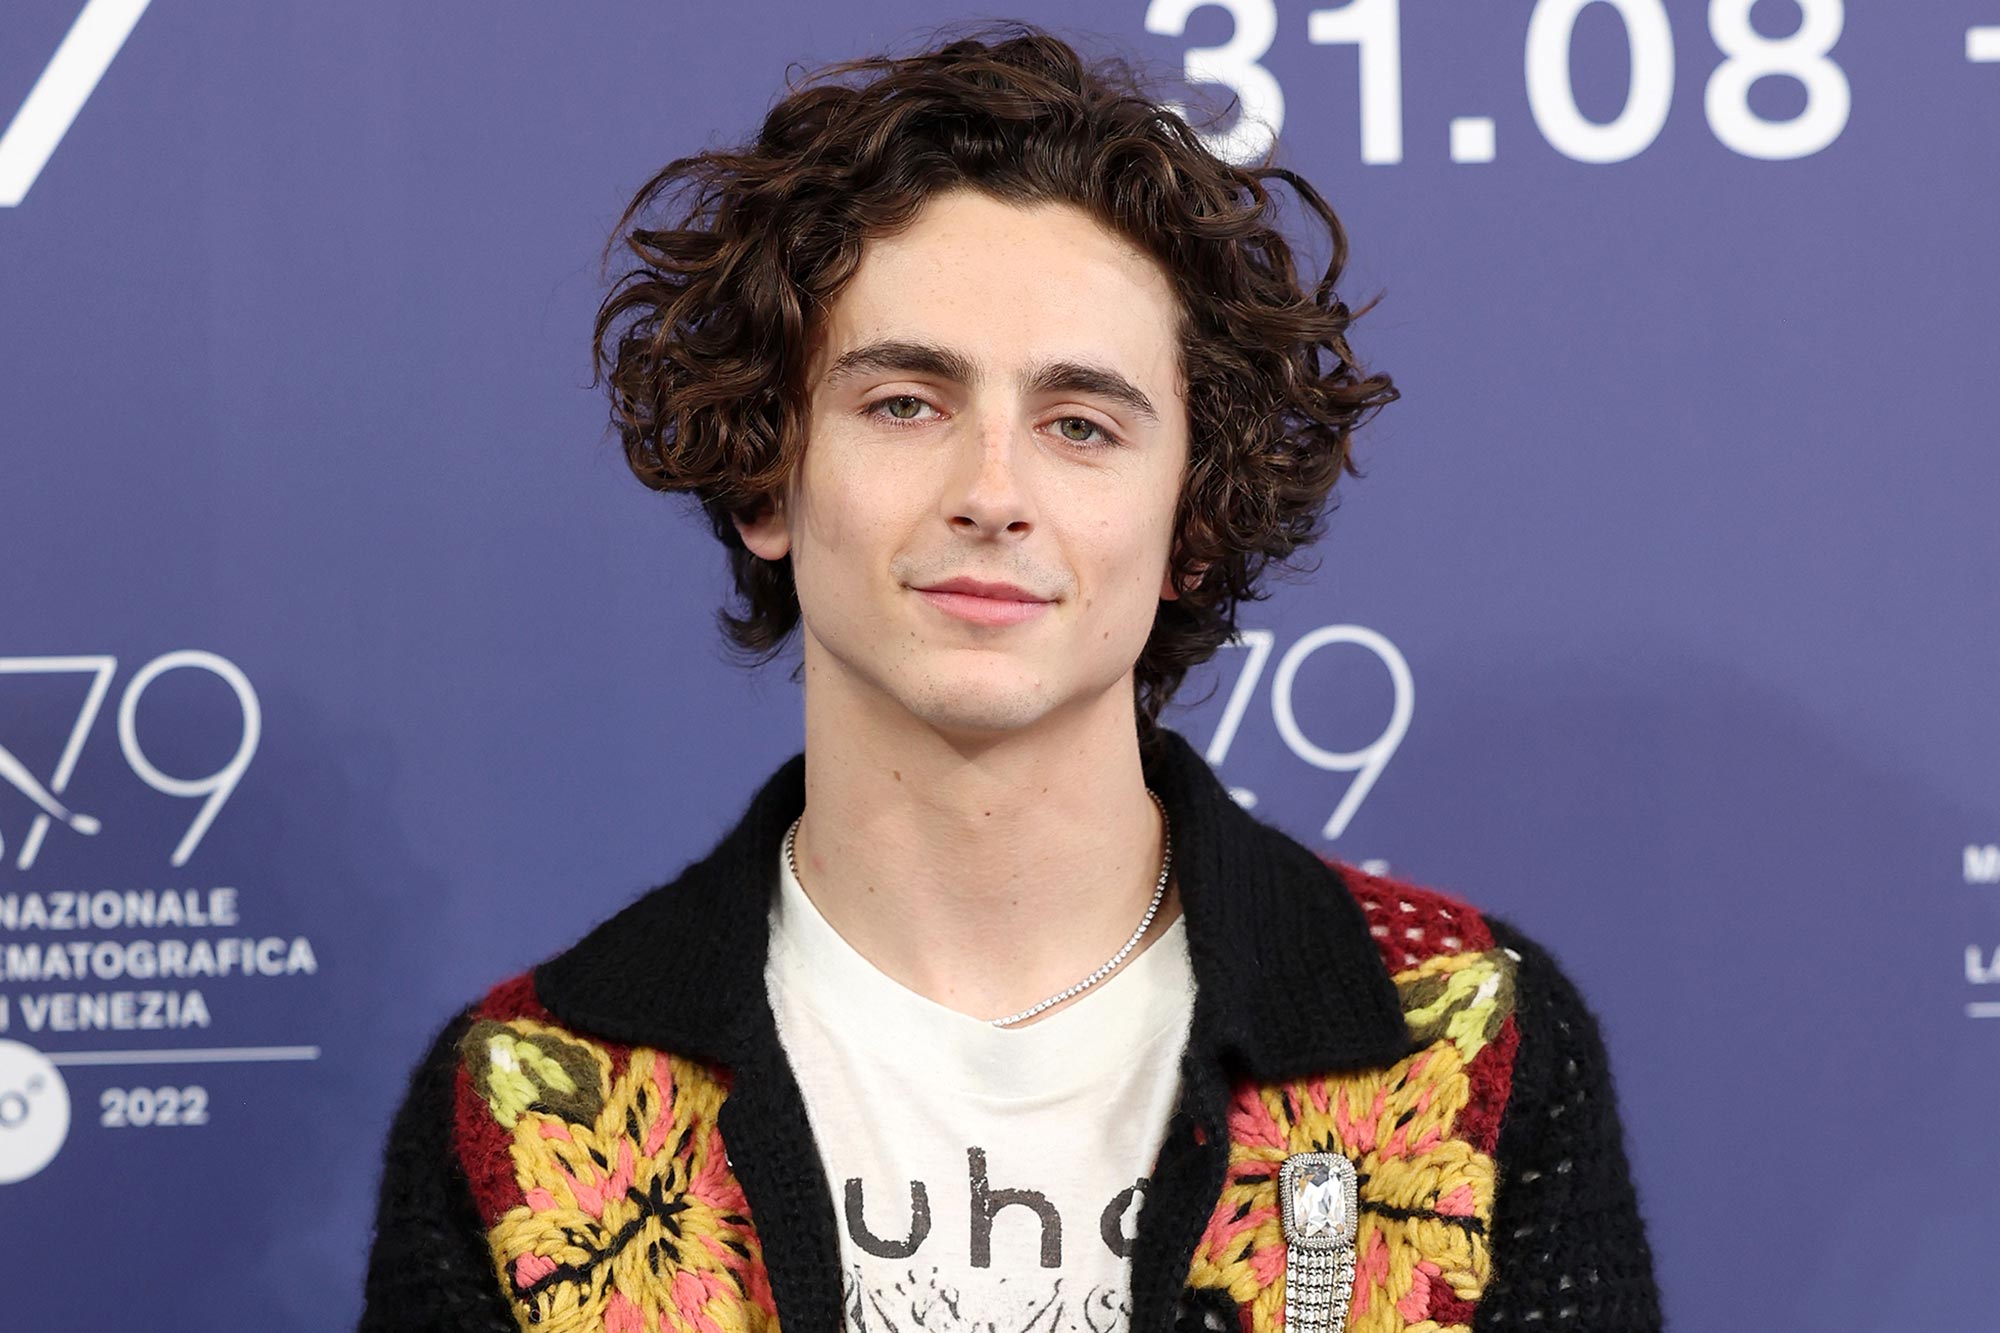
980 526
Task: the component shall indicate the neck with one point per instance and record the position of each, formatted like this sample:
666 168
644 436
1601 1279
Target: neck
985 873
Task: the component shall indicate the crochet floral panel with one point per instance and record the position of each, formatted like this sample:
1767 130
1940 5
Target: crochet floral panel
623 1216
1421 1134
600 1173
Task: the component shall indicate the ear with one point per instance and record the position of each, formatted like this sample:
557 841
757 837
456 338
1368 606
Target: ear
765 533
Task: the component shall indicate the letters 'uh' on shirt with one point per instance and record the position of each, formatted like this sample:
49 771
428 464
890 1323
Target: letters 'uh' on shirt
1002 1179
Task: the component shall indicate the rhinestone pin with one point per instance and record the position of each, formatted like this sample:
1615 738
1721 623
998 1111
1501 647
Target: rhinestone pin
1318 1202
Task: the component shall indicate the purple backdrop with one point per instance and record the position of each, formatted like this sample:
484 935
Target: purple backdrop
1663 622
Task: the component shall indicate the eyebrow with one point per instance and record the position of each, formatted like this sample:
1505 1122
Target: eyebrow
913 356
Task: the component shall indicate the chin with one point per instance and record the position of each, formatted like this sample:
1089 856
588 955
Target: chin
996 702
969 708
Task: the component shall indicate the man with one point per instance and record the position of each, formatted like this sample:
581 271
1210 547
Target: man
994 1011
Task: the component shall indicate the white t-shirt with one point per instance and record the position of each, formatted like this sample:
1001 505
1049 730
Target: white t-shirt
983 1177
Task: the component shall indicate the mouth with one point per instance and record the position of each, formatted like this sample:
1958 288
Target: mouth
984 603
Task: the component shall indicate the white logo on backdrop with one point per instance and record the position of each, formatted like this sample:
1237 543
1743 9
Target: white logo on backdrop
80 60
213 789
119 958
34 1111
1367 762
1374 28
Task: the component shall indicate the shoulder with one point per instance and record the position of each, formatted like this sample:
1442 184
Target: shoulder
1464 970
443 1111
1453 974
1412 923
526 1083
560 1130
1541 1106
1459 968
1417 926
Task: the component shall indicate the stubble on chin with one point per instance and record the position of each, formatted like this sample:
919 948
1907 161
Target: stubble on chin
968 704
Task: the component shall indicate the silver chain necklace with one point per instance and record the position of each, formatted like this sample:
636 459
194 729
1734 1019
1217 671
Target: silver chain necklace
1159 892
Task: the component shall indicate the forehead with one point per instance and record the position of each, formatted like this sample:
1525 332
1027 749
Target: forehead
1011 284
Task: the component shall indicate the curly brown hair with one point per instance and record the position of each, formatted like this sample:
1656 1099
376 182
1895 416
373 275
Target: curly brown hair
705 345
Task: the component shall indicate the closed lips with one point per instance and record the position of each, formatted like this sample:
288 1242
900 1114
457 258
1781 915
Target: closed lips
984 603
1005 592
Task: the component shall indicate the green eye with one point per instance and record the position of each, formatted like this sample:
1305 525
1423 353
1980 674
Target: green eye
1088 427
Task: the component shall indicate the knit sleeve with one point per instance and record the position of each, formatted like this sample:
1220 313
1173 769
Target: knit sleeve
1569 1244
429 1269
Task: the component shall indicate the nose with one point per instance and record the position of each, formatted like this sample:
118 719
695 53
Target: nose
988 495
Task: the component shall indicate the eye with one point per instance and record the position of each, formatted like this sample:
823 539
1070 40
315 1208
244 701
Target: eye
899 402
1105 437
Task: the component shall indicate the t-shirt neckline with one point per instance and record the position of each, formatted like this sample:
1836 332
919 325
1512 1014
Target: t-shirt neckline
1144 1002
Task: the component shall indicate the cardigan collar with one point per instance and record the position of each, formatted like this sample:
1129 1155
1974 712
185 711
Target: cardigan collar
1287 979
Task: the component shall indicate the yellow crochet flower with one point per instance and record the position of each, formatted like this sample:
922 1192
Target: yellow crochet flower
630 1220
1426 1195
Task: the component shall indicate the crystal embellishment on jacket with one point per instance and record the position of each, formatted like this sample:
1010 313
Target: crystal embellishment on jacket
1318 1193
1319 1203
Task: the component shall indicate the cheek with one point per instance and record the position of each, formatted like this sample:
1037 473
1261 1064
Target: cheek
1130 565
830 491
853 517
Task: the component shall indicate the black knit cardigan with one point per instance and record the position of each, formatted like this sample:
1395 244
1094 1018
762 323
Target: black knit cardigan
1292 979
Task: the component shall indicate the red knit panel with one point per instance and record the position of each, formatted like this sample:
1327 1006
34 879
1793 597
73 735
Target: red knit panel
1411 922
481 1142
514 998
1491 1074
1447 1310
482 1150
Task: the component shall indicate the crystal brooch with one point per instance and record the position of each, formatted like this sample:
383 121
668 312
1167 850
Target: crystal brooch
1319 1205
